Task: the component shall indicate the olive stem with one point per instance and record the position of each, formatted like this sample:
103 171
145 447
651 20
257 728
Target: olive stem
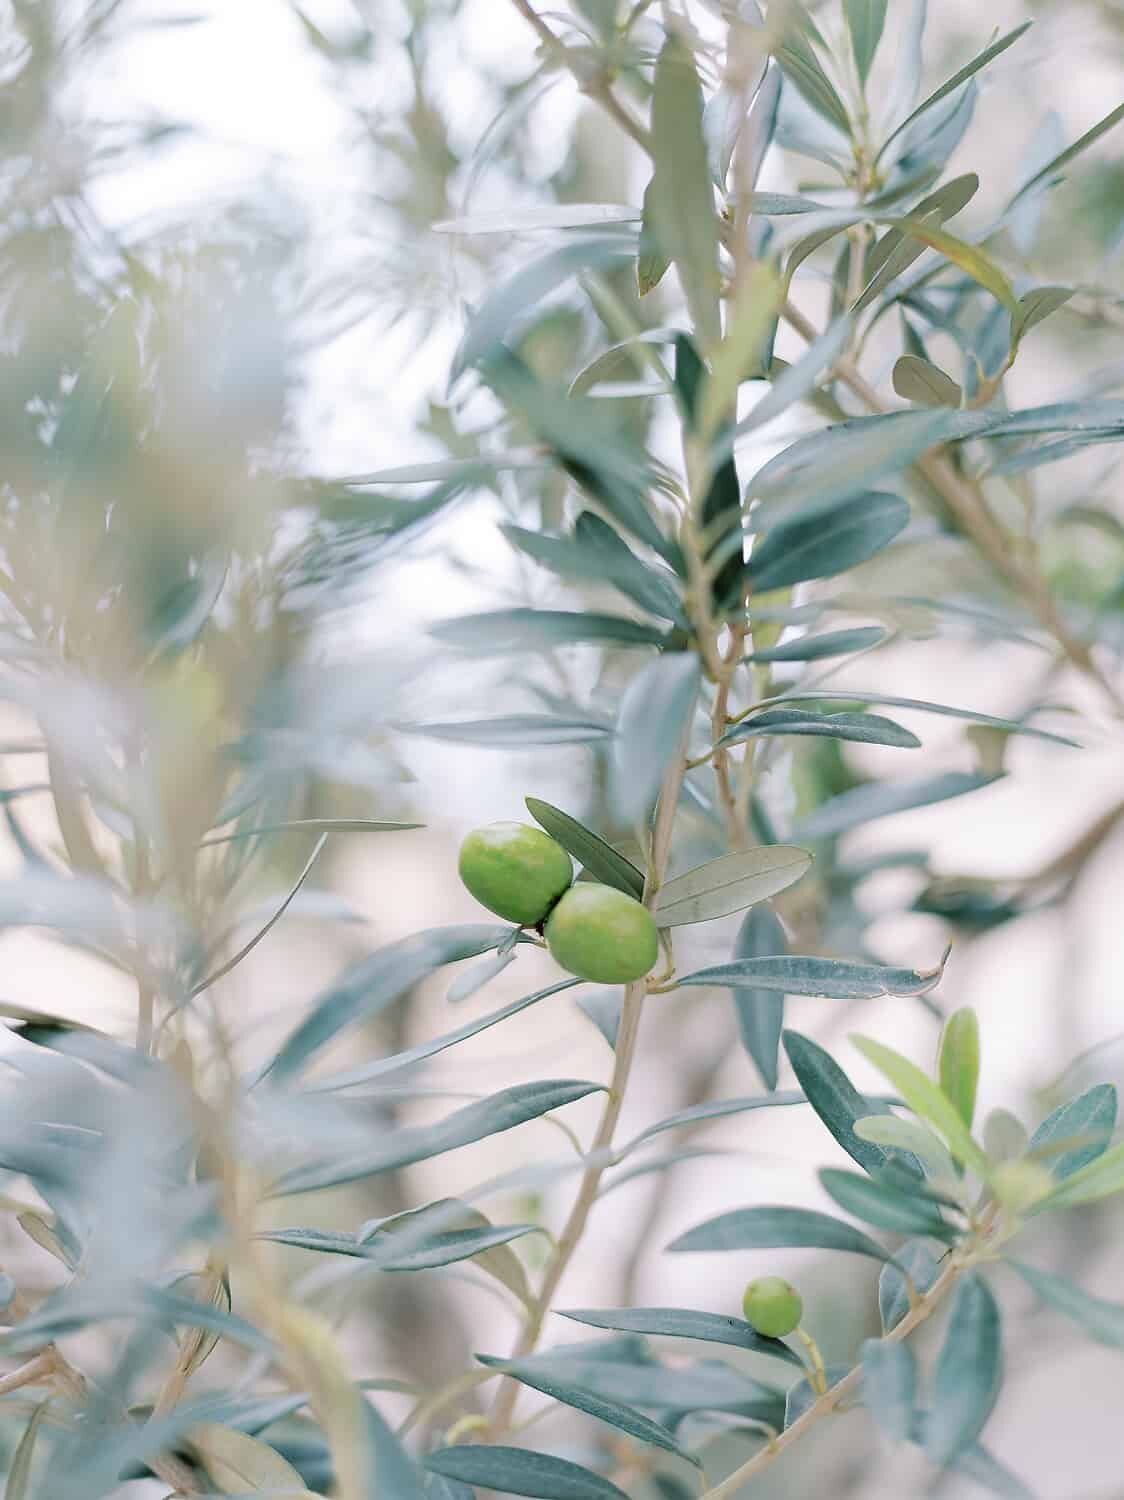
817 1371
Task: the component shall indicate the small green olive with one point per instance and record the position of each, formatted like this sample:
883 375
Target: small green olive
515 870
602 934
772 1307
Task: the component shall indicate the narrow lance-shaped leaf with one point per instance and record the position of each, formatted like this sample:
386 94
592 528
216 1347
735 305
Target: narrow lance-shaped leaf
519 1471
514 730
655 713
925 1099
729 884
959 1062
769 1228
968 1374
507 630
818 647
590 850
860 728
833 1097
862 804
865 20
890 1387
851 533
760 1013
683 1323
1101 1320
1085 1123
1102 1178
883 1206
915 1260
837 978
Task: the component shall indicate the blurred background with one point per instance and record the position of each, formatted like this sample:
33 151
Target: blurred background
224 307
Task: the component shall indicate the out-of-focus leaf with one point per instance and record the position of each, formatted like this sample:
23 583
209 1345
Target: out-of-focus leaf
311 825
422 1251
911 1136
890 1387
368 1072
862 804
370 986
883 1206
849 534
968 1374
591 851
962 75
907 66
514 730
1088 1121
915 1260
546 216
729 884
519 1471
683 1323
818 647
652 264
1102 1178
614 1413
715 1110
926 1100
396 1475
804 69
680 205
240 1464
865 20
837 978
1035 307
507 630
654 717
926 384
833 1097
959 1062
604 1011
760 1013
799 379
19 1466
597 554
769 1228
861 728
803 1394
409 1144
1101 1320
1052 167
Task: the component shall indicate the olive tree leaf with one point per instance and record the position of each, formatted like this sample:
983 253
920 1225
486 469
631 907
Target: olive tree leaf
760 1013
850 533
612 1413
239 1463
590 850
501 631
19 1466
958 1063
1035 307
863 804
1102 1178
396 1475
911 1136
914 1260
920 381
514 730
890 1387
926 1100
834 1098
596 553
835 978
715 1110
309 825
680 204
884 1207
520 1471
683 1323
545 216
865 20
860 728
1056 163
1087 1121
769 1228
654 717
729 884
820 647
968 1374
1101 1320
805 71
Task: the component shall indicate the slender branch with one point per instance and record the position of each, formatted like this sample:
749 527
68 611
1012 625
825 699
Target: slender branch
623 1058
832 1399
42 1367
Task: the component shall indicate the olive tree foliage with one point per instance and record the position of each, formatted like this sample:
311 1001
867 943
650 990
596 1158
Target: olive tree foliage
165 577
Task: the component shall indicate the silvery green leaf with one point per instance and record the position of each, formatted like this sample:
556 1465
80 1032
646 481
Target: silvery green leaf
683 1323
760 1013
924 383
883 1206
514 730
958 1061
19 1466
890 1387
501 631
590 850
715 1110
597 554
968 1374
799 379
604 1011
729 884
834 1098
1087 1121
546 216
802 1395
834 978
861 728
1101 1320
396 1475
519 1471
865 20
863 804
769 1228
915 1260
818 647
907 66
851 533
653 721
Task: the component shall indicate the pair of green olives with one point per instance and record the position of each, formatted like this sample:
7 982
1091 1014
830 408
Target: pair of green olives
525 876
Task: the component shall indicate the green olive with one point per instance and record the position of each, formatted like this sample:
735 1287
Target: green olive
515 870
772 1307
602 934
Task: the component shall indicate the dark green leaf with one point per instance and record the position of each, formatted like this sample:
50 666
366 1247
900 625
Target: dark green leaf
653 721
1101 1320
368 1072
959 1062
882 1206
769 1228
612 1413
880 799
595 553
760 1013
862 728
519 1471
968 1374
830 643
865 20
413 1143
915 1260
505 630
515 730
1088 1121
837 978
599 858
729 884
683 1323
851 533
680 204
833 1097
890 1387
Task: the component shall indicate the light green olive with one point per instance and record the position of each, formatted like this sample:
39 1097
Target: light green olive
515 870
601 934
772 1306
